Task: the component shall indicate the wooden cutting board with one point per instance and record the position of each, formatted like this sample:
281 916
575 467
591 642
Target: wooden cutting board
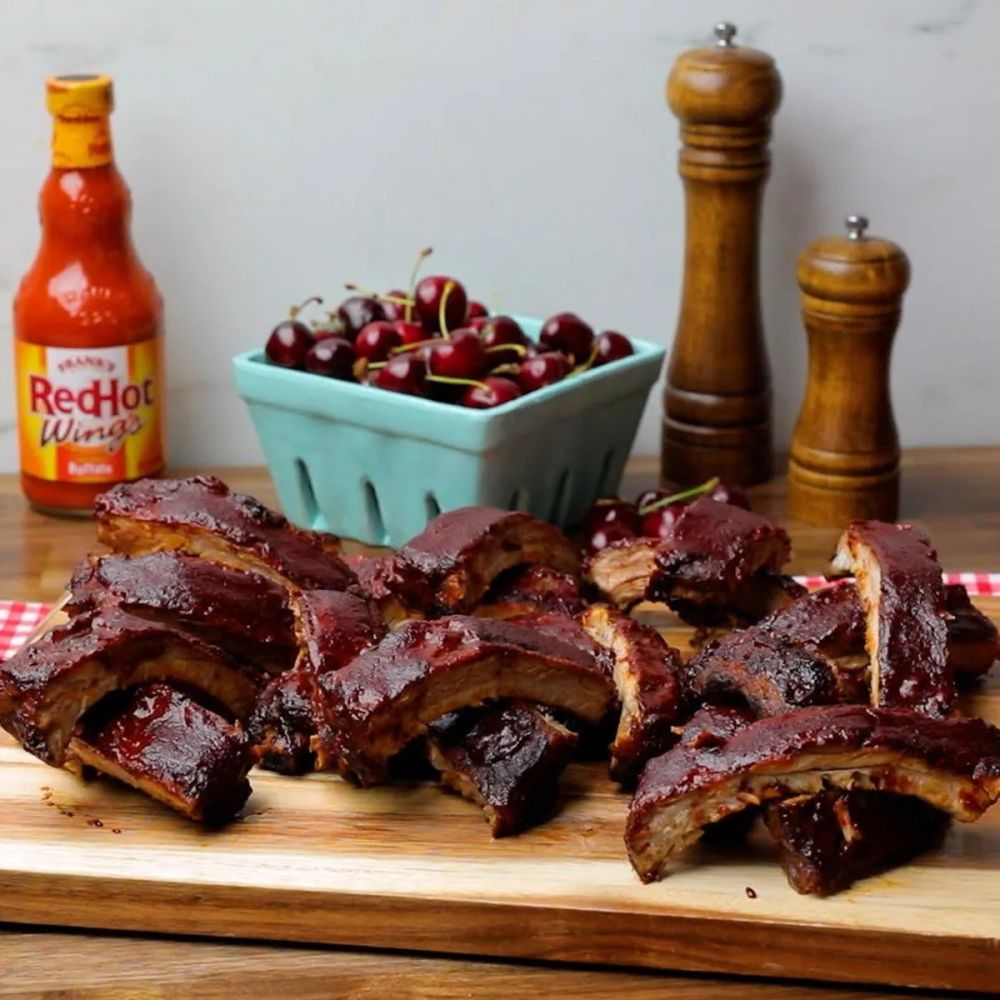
410 867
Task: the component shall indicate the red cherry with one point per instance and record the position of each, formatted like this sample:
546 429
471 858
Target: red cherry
542 370
410 333
428 296
611 346
289 344
376 340
724 493
608 534
460 356
403 373
568 334
648 497
494 391
659 523
610 510
356 312
395 310
333 357
475 310
498 331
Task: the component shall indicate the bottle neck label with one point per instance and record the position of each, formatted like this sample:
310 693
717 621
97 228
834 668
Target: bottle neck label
81 142
90 415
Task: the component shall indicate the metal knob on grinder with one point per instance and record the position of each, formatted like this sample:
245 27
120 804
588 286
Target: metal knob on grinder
844 460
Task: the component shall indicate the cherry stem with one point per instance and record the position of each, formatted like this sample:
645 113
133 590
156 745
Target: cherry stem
451 380
352 286
695 491
590 360
403 348
421 257
442 322
511 368
519 349
295 310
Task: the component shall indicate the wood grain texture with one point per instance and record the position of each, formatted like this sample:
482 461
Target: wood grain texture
111 967
952 493
717 399
844 460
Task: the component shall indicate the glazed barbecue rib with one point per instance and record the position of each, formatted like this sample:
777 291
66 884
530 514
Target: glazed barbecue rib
770 674
244 613
646 673
720 565
951 764
162 742
202 517
526 590
973 640
899 581
507 759
452 563
48 686
831 839
390 694
333 627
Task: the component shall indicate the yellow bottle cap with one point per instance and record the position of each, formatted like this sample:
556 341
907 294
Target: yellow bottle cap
80 95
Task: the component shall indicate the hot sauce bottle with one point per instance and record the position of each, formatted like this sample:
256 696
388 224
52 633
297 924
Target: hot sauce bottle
87 321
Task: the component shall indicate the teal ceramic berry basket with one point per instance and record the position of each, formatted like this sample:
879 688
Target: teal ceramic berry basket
377 466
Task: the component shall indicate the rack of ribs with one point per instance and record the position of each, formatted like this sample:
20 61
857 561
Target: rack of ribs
646 674
899 582
48 686
332 628
390 694
506 758
244 613
951 764
201 516
451 565
720 565
164 743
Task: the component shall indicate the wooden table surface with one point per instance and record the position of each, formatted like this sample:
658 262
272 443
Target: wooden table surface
953 493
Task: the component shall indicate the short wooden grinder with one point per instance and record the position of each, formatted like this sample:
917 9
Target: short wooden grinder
844 459
717 403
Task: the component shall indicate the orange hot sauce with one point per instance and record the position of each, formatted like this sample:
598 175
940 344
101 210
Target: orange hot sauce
87 321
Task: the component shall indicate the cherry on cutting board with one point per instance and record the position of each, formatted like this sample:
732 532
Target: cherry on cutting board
612 346
431 292
376 340
659 523
608 534
492 391
333 357
504 340
567 333
459 356
356 312
542 370
291 340
405 373
610 510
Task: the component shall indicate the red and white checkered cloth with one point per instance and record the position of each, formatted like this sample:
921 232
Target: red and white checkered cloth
18 619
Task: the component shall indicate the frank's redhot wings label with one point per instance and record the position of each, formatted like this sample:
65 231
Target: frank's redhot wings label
89 414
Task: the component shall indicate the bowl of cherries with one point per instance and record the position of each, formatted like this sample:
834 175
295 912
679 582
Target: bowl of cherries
394 406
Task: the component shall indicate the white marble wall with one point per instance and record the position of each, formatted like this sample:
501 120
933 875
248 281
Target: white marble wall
277 149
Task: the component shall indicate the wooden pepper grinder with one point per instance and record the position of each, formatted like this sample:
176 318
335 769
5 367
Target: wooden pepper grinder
717 404
845 452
